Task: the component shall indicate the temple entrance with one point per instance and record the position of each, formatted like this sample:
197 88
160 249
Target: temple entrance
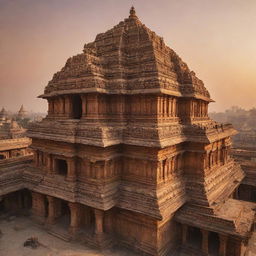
46 206
65 214
19 202
88 218
195 237
77 107
214 243
26 199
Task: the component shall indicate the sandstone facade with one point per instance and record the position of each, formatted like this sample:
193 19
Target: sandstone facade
244 152
127 153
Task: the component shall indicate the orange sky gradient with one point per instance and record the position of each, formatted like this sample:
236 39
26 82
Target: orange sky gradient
217 39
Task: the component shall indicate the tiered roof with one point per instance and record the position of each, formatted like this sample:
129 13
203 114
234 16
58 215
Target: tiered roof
127 59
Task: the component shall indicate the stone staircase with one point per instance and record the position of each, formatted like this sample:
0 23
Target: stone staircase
190 251
60 233
95 241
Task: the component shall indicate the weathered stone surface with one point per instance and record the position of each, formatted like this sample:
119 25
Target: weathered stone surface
129 154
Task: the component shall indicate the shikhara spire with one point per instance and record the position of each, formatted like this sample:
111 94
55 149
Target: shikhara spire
128 123
132 13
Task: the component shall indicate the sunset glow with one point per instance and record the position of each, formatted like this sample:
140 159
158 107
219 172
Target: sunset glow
217 39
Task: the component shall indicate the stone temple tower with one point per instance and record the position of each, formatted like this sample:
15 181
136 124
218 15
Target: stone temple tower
22 112
127 153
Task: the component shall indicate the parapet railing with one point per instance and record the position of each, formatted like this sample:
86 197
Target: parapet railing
20 159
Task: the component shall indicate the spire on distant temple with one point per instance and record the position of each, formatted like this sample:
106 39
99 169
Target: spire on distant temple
3 113
133 13
22 112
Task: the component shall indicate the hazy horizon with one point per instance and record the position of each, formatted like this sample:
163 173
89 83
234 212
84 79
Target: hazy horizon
216 39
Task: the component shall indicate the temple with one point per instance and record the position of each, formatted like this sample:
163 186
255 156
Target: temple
244 152
3 115
22 113
15 156
128 155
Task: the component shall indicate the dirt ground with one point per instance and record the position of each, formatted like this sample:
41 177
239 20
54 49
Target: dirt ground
252 246
17 229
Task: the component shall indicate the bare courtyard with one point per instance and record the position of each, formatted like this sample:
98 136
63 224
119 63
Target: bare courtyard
16 230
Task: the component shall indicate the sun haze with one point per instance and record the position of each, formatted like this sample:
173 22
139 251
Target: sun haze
216 39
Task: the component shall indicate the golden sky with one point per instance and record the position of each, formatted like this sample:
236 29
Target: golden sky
217 39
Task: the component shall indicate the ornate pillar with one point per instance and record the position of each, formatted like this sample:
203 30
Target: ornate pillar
53 169
39 158
223 245
84 102
170 100
71 175
35 158
99 216
75 214
205 241
96 106
164 106
38 207
53 209
175 107
67 106
184 233
49 163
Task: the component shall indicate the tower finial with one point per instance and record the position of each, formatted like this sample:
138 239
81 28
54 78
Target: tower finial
132 12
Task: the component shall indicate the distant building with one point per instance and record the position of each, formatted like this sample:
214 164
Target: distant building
244 151
22 113
3 115
13 141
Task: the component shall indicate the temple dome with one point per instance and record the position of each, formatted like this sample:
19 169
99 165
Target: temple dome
127 59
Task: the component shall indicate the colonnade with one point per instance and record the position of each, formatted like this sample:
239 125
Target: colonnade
205 241
47 210
169 166
218 156
48 162
7 154
167 106
164 106
198 108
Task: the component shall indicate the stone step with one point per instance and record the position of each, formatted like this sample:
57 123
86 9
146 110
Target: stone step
61 235
190 251
95 241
